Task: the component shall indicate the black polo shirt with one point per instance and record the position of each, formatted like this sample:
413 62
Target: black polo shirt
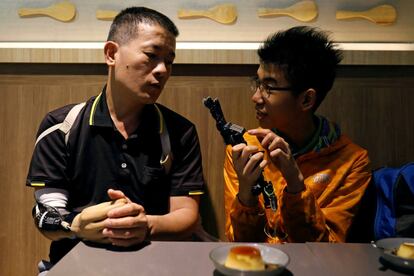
97 157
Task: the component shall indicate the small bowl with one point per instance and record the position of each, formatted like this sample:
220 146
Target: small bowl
388 246
275 260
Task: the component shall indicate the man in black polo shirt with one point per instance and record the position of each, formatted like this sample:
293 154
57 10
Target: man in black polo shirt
122 147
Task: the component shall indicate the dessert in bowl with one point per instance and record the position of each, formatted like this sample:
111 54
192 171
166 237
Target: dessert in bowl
249 259
245 257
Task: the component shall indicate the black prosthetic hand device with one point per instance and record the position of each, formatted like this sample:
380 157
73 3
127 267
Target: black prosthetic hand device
233 135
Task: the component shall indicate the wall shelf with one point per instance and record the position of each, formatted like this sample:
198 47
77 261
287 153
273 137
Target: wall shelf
197 53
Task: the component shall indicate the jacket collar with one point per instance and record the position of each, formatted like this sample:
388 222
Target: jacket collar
325 135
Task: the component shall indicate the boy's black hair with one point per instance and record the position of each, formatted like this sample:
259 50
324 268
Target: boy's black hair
307 58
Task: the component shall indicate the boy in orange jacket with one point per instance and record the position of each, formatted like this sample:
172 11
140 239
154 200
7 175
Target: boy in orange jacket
318 174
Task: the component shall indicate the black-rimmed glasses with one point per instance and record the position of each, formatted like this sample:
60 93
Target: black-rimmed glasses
265 89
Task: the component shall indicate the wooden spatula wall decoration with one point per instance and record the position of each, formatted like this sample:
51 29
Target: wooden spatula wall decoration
304 11
106 14
63 11
382 15
224 13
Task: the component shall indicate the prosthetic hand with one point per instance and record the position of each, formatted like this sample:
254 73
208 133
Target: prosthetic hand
89 224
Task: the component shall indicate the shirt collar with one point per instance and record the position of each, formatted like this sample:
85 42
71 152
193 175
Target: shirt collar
100 112
101 117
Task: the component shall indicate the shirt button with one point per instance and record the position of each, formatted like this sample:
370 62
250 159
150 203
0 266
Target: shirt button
124 146
123 165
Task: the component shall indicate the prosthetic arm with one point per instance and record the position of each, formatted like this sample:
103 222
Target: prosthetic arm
49 218
51 215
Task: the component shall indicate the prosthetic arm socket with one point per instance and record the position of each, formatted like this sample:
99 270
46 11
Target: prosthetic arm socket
48 218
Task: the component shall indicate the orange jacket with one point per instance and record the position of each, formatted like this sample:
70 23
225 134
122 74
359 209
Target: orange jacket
335 180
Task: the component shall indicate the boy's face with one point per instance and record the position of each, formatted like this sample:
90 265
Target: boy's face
143 65
279 108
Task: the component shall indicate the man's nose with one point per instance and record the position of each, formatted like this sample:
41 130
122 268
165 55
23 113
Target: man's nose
161 68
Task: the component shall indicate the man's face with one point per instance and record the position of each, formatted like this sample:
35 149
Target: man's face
278 109
143 65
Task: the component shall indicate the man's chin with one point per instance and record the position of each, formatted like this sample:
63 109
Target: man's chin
150 101
149 98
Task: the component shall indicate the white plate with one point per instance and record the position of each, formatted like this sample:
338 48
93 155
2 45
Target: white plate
269 254
388 245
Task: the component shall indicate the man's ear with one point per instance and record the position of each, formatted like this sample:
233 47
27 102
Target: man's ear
110 49
308 99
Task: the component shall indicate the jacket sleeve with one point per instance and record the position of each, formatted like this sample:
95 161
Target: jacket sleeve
242 223
328 218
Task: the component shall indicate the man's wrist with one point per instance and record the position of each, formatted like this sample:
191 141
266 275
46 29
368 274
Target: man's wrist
151 227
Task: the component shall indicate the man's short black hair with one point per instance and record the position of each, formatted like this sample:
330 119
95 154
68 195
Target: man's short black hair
307 57
126 23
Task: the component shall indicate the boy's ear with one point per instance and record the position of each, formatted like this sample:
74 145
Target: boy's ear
308 99
110 49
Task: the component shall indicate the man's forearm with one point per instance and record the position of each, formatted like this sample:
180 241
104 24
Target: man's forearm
177 225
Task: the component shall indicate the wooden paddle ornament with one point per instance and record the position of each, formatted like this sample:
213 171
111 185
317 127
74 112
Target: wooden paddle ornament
304 11
382 15
108 15
63 11
224 13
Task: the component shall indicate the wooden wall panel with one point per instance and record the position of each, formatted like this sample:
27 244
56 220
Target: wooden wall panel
374 111
24 102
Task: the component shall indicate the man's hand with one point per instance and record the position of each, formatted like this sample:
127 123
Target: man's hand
248 164
281 156
89 224
126 225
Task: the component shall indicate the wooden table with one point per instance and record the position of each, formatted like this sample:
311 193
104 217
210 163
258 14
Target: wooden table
192 258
